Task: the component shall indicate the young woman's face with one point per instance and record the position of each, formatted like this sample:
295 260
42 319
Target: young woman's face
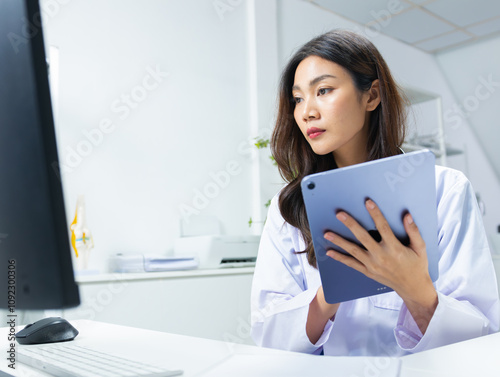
331 113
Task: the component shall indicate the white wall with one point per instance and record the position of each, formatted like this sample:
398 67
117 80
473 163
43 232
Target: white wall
219 64
185 130
473 73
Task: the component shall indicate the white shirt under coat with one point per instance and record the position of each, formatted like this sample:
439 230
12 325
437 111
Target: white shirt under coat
284 285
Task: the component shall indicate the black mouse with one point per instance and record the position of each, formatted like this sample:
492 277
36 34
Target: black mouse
47 330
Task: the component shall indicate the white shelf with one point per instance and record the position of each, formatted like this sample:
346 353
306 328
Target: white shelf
113 277
417 96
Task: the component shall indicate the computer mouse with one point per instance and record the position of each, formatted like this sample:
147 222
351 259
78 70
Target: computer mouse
47 330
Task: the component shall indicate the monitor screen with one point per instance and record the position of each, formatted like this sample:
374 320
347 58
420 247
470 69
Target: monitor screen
35 257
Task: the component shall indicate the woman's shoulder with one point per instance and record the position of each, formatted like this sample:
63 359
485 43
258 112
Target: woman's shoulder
278 228
273 210
450 181
275 218
449 174
274 207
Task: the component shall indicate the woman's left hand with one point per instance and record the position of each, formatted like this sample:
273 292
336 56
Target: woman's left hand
402 268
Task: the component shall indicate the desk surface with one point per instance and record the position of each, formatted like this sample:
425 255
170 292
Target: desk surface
210 358
476 357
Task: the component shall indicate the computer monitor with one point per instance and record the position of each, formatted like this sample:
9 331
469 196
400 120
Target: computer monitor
35 256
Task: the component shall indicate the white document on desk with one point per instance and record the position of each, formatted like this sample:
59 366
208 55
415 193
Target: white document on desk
302 365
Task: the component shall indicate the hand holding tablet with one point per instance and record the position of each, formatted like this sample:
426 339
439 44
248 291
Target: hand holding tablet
358 213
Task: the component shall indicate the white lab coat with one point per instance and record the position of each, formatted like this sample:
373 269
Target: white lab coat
284 284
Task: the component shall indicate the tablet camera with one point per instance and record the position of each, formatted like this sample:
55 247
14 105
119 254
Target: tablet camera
311 185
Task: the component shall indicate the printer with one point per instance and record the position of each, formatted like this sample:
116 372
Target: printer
219 251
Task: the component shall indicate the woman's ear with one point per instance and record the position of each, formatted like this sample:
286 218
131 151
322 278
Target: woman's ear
374 96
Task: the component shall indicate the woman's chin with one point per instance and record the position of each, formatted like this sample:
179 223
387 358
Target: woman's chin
321 151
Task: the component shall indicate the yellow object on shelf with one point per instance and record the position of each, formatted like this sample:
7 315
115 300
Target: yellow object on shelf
81 236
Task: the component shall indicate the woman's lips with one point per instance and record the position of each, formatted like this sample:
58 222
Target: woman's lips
314 132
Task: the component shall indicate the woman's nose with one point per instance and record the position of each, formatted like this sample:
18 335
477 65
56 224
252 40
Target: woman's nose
310 111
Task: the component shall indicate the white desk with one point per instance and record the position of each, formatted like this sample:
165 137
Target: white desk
205 357
211 358
476 357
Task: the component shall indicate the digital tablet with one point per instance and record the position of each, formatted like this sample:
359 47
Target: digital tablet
398 185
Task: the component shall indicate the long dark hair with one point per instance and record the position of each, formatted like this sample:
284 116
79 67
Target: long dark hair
290 149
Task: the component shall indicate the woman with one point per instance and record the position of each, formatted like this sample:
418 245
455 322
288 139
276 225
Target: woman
339 106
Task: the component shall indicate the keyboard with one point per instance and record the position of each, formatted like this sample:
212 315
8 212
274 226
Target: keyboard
77 361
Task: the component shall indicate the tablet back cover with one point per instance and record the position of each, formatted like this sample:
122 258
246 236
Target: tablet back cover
398 184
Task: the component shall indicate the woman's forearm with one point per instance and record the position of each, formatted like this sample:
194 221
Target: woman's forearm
320 312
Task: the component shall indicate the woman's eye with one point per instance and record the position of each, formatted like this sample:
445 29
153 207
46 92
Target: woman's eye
297 99
323 91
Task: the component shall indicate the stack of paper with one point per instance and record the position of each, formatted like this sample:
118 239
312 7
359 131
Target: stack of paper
151 263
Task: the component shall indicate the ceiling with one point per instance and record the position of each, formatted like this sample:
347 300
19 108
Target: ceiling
430 25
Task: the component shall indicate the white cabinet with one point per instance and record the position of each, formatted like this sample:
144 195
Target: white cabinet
211 304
